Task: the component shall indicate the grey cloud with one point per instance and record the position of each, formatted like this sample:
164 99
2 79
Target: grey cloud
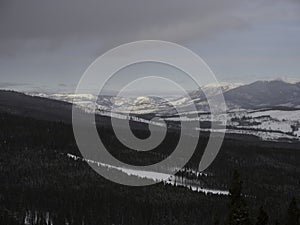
114 22
53 42
37 19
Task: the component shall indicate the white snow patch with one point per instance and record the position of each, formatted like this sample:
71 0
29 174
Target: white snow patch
167 178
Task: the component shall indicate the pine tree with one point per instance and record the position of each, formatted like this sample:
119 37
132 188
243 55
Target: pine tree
238 214
293 213
262 218
236 188
216 220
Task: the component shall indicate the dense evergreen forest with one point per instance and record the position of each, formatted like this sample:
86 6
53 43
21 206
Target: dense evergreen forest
39 184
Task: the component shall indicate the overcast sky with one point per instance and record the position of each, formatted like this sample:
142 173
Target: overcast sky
47 45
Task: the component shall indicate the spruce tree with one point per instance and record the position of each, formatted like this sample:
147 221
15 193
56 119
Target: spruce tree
293 213
238 213
262 218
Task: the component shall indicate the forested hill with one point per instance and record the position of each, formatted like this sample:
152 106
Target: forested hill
35 107
41 185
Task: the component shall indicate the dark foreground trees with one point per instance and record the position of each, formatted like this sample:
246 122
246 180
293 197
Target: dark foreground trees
40 185
293 213
238 211
262 218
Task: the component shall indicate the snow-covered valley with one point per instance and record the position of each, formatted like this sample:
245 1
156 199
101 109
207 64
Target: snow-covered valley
251 109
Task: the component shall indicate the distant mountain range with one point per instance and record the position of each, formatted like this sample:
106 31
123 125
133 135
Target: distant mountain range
257 95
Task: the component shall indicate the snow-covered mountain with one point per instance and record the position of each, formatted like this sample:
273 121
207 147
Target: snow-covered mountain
212 89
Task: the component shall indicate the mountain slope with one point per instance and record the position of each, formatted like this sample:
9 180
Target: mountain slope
262 94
